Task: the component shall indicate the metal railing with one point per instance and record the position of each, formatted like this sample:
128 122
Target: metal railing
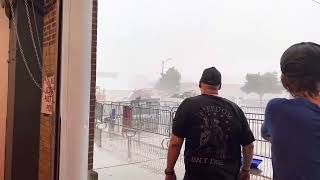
143 134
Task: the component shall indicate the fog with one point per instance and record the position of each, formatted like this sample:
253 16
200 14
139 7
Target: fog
238 37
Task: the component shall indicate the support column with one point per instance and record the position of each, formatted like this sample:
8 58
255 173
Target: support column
93 175
4 48
75 89
49 124
23 117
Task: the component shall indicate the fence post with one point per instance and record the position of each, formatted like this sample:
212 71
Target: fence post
129 136
100 118
172 113
100 137
101 112
139 124
129 147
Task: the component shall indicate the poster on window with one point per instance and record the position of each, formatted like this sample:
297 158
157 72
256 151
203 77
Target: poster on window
48 95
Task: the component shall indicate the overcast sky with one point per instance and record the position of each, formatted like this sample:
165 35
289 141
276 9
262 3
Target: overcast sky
134 36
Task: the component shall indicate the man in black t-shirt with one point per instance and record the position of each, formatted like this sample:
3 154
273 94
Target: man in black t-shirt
214 129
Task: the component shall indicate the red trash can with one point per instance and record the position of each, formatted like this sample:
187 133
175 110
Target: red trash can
127 117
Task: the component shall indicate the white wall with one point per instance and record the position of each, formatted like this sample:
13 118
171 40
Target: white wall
4 47
75 90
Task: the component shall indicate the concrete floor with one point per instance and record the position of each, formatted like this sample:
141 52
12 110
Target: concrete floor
148 159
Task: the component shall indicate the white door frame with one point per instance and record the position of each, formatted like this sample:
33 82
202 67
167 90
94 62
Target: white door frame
75 88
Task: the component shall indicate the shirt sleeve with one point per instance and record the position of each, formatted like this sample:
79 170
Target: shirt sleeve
180 121
246 135
266 126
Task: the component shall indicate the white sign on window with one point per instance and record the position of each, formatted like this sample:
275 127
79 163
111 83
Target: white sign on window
48 95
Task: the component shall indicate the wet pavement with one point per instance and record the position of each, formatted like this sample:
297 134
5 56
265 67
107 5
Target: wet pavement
142 157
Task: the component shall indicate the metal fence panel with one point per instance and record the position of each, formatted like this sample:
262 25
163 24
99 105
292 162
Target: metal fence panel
132 123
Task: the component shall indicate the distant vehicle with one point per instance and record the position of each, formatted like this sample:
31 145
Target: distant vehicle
147 103
185 95
142 94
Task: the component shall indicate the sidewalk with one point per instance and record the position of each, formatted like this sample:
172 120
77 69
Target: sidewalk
111 167
147 159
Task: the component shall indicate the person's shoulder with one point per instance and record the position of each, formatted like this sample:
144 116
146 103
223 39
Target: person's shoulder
186 102
233 104
277 104
277 101
194 98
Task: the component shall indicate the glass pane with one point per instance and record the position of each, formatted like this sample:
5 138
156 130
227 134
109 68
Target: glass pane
151 55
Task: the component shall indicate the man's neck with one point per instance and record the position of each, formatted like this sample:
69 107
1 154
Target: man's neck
315 100
210 93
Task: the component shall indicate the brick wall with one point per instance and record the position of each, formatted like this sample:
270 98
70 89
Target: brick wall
50 57
50 23
93 82
49 48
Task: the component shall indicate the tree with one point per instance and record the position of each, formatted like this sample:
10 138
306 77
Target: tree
170 81
262 84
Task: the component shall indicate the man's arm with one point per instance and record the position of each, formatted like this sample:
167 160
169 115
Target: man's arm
246 141
265 130
179 132
247 152
266 126
173 152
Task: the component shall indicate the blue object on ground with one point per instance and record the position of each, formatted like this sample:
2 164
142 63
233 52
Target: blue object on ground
113 114
254 163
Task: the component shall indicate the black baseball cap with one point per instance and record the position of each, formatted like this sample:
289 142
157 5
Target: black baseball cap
302 59
211 76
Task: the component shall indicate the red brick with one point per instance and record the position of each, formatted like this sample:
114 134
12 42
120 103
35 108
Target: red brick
93 82
94 60
92 113
91 124
91 143
95 5
94 38
93 77
91 130
94 21
90 166
47 127
91 150
91 136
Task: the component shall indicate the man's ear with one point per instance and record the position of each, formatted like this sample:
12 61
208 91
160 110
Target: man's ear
200 84
220 87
